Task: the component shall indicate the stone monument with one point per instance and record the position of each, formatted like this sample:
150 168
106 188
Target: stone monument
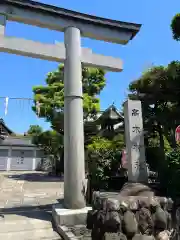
134 137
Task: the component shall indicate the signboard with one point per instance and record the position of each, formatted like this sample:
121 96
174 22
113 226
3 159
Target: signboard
177 134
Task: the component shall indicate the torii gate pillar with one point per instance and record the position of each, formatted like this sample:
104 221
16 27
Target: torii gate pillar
74 167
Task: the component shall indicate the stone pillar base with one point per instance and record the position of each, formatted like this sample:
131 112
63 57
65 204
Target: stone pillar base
69 217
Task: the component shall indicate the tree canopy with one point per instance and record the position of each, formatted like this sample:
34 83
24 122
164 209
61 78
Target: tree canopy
50 141
34 130
49 104
159 91
175 27
49 99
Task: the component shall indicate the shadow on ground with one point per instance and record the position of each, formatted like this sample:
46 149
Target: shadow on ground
34 177
41 212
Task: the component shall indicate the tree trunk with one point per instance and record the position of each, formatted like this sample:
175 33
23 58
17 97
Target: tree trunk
146 142
161 140
162 162
173 140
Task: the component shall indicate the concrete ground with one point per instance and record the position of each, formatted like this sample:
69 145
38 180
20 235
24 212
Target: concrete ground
26 201
29 189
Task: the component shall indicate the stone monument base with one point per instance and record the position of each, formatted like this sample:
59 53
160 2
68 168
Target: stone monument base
133 196
100 197
136 189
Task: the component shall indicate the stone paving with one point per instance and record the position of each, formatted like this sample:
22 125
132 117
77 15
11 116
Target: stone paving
29 189
26 201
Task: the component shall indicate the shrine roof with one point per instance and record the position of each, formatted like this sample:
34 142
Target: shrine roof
2 123
111 113
16 141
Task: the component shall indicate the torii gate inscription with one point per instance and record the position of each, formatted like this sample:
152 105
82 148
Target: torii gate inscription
74 25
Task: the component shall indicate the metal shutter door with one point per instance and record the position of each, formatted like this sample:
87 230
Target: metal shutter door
22 160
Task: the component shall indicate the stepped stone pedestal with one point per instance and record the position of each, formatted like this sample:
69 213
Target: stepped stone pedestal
103 201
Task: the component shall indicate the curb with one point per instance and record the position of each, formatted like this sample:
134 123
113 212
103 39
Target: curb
66 233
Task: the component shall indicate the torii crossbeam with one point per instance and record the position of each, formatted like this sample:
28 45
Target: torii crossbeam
74 25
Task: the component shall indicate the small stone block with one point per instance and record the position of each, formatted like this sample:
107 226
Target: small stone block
112 236
64 232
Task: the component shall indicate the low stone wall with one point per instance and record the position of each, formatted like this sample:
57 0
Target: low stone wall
108 218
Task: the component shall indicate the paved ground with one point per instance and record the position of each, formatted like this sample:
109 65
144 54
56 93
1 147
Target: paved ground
26 201
29 189
32 225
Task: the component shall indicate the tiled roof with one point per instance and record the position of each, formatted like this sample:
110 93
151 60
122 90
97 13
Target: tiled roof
17 141
4 125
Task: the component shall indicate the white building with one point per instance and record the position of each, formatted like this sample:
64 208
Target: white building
17 152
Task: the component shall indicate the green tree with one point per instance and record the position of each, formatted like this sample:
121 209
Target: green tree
104 159
49 104
34 130
173 172
158 89
150 89
51 143
175 27
49 99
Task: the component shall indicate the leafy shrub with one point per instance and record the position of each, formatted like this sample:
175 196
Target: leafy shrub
103 160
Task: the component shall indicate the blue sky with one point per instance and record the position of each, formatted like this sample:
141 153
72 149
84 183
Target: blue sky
152 45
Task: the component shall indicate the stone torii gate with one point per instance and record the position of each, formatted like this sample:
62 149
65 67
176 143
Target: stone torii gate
74 25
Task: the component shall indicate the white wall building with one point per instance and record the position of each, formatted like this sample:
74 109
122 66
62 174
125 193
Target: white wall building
18 152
